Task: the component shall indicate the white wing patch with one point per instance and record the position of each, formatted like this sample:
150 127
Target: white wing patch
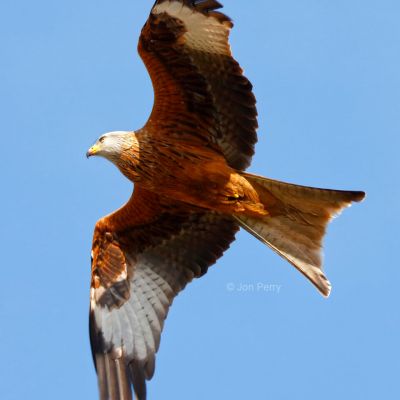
136 325
204 33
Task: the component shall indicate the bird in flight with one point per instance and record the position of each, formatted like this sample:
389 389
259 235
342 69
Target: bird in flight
191 194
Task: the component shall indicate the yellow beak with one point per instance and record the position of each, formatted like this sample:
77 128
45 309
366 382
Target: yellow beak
92 151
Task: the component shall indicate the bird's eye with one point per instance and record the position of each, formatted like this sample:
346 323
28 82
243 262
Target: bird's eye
101 140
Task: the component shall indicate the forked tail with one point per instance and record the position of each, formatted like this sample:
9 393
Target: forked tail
296 223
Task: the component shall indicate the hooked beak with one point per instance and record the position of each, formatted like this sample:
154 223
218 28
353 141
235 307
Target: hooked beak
92 151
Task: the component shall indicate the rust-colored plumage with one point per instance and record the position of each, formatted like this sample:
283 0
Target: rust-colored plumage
191 193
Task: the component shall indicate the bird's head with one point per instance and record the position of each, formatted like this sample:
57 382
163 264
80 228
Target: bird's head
111 145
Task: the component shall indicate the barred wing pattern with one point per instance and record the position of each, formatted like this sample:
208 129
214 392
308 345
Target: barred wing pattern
200 90
136 274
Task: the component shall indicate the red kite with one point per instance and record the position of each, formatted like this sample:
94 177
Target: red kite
191 194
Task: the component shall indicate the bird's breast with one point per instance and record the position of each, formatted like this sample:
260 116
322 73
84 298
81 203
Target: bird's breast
195 175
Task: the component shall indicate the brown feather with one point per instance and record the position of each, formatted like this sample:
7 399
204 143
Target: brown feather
296 222
202 94
143 255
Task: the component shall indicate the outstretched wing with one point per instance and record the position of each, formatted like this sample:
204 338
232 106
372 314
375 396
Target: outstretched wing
143 256
200 90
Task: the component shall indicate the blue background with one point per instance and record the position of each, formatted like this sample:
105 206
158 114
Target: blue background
326 75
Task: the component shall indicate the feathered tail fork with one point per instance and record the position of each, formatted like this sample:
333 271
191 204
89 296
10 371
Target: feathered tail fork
296 222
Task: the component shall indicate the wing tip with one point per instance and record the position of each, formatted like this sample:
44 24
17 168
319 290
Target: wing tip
206 7
209 8
138 378
112 377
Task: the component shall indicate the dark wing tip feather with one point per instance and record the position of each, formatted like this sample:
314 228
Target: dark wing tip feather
358 196
206 7
116 377
209 7
114 382
138 378
201 5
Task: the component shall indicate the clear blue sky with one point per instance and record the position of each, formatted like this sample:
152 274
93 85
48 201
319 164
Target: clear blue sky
327 78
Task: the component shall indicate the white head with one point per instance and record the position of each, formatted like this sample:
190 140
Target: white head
111 145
